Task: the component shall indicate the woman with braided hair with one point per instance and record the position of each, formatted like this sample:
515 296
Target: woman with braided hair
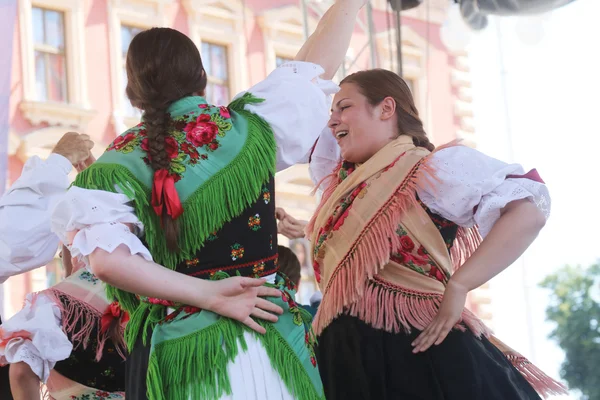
396 250
197 182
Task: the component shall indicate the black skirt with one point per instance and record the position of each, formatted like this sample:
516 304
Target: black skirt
359 362
136 369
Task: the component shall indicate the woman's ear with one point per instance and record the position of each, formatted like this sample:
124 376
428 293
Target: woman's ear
388 108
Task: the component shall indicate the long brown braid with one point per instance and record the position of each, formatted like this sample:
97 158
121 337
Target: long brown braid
163 65
376 85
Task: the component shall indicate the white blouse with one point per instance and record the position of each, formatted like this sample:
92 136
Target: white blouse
34 335
26 242
296 106
471 188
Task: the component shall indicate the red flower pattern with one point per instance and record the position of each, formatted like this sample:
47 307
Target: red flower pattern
340 220
201 132
171 146
434 272
407 243
122 141
224 112
190 150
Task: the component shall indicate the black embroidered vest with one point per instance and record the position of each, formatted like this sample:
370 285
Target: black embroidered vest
108 374
246 245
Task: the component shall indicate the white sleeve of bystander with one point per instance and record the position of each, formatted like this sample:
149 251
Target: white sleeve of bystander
26 241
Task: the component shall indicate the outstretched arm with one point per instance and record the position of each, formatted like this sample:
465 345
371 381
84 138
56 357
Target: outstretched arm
511 235
26 241
327 46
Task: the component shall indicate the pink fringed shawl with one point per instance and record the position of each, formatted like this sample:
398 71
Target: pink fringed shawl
87 299
354 233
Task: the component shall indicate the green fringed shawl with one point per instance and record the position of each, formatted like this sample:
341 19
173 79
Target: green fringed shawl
221 156
189 354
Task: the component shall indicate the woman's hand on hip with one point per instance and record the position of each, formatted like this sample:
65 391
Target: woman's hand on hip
448 316
242 299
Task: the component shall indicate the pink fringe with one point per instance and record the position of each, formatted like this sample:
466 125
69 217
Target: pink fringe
542 383
78 310
370 252
395 309
466 242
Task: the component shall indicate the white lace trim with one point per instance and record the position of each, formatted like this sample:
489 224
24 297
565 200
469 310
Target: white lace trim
100 218
108 237
472 188
46 343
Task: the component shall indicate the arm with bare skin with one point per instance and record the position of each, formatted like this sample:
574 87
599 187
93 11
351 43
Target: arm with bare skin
511 235
327 46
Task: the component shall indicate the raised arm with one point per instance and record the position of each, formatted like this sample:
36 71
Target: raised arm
26 241
328 45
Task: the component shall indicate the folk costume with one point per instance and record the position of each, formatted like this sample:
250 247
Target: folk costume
71 336
386 238
220 187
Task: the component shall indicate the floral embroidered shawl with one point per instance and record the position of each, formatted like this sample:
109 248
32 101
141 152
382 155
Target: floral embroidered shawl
220 157
354 234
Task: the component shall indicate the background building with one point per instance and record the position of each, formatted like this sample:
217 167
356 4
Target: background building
68 73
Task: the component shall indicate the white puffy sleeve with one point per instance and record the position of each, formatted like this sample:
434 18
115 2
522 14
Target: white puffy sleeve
34 336
296 106
473 188
100 219
26 241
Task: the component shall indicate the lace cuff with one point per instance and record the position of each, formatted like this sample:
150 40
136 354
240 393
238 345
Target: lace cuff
491 204
101 220
34 336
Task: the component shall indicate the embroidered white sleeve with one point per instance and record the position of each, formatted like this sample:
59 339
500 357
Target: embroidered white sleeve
473 188
34 335
100 218
26 241
325 158
296 106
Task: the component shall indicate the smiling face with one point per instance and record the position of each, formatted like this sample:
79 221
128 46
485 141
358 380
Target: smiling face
361 129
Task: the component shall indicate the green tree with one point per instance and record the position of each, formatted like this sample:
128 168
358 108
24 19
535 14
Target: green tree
575 308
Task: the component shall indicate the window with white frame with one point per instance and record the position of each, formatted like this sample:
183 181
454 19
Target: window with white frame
283 30
49 54
126 18
217 27
216 65
53 62
127 35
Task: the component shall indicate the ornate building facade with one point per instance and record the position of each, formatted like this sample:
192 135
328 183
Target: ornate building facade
68 74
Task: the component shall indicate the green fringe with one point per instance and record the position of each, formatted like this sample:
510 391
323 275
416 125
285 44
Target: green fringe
127 301
144 318
220 199
195 366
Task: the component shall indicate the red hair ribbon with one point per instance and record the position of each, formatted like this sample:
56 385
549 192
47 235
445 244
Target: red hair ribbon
165 194
113 313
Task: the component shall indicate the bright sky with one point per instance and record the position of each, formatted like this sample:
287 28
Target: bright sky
552 91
